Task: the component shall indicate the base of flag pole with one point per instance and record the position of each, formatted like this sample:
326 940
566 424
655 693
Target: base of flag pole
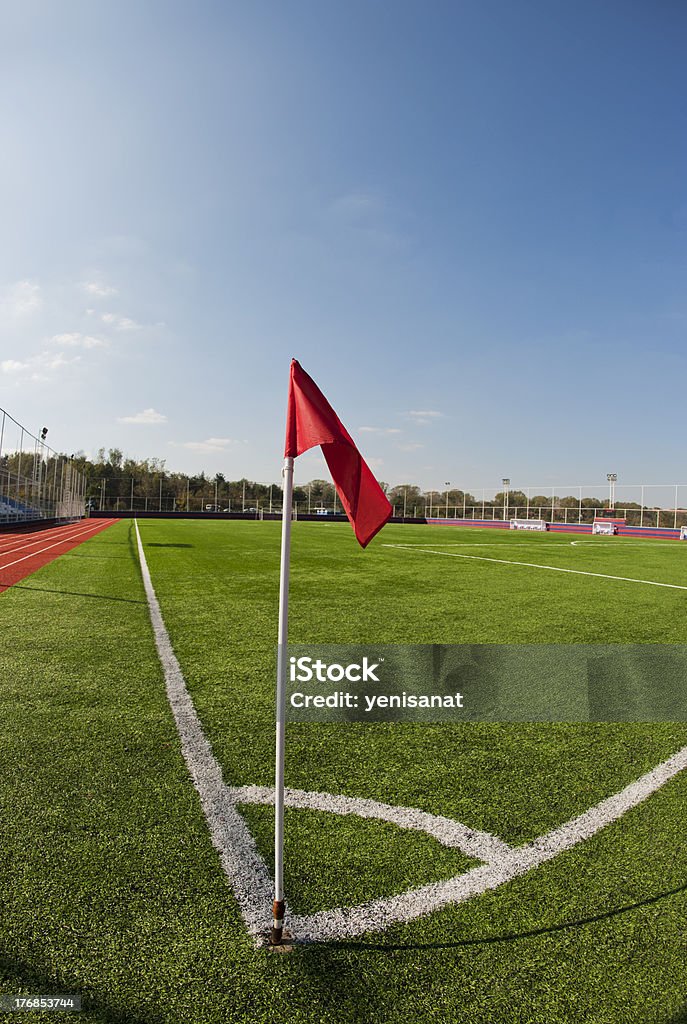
285 944
277 932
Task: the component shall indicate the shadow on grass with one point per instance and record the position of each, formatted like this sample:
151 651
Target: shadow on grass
155 544
510 936
93 555
74 593
32 980
681 1016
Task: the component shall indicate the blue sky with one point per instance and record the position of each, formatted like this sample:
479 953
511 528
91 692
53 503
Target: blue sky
468 221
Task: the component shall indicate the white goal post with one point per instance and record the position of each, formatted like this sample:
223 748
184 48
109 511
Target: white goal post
606 529
528 524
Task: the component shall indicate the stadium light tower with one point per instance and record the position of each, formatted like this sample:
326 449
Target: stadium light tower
447 484
506 485
611 477
39 455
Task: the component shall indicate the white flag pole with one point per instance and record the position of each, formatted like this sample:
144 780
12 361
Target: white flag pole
278 906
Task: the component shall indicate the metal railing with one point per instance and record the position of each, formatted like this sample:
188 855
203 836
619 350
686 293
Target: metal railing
36 482
664 518
656 505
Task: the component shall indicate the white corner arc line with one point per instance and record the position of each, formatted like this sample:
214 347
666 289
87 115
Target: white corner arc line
248 874
481 845
376 915
535 565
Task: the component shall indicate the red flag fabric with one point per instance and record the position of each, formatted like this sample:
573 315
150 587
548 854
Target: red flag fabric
310 420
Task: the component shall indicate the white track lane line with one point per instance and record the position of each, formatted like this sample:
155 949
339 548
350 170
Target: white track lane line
9 539
535 565
57 531
63 540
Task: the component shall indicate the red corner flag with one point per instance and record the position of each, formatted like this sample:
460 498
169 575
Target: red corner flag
310 420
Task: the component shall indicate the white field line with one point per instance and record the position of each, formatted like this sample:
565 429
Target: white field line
614 543
535 565
350 922
242 863
480 845
40 537
247 872
62 540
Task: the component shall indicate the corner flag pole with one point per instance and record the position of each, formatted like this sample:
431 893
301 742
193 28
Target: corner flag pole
278 905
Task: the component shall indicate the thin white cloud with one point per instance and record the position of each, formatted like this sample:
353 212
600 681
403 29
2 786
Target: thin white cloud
97 288
203 446
211 444
20 300
120 323
37 366
422 417
77 340
380 430
412 446
148 416
48 361
13 366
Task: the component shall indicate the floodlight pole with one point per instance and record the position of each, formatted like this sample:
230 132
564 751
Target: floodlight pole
641 514
611 477
506 485
278 905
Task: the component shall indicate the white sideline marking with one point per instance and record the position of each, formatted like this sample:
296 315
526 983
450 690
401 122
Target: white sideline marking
461 544
248 874
614 542
535 565
243 865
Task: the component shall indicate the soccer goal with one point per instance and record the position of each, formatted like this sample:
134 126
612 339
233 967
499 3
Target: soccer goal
528 524
606 527
683 533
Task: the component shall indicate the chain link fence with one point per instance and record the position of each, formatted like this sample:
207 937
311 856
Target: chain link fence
655 505
36 482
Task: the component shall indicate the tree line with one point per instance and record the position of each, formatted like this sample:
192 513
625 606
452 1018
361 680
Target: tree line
116 481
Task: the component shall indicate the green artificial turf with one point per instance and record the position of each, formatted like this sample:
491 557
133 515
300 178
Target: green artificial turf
110 885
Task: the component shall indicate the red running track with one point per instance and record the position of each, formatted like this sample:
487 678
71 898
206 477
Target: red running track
23 552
